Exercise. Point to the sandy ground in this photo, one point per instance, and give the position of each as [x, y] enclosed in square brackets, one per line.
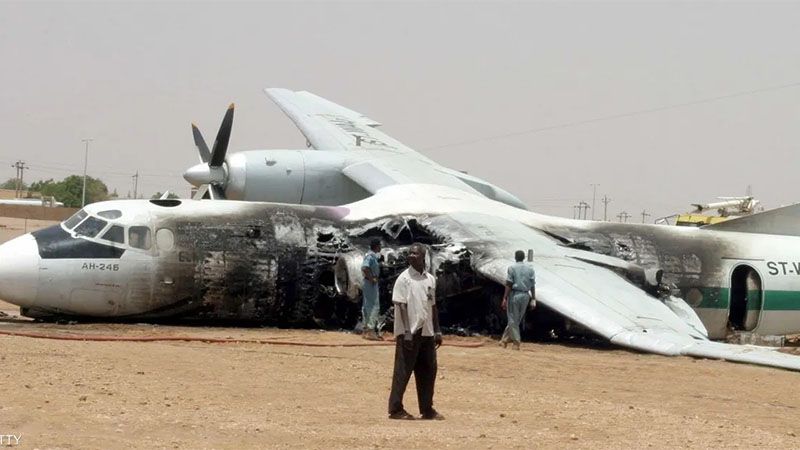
[76, 394]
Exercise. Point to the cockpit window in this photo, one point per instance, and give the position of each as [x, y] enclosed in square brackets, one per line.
[139, 237]
[110, 214]
[115, 234]
[90, 227]
[75, 219]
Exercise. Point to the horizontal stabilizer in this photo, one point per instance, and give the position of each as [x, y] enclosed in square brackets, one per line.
[782, 221]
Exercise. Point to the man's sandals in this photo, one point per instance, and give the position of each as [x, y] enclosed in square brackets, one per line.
[401, 415]
[404, 415]
[432, 415]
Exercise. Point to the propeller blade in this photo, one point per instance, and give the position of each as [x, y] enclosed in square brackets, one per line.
[216, 191]
[223, 137]
[200, 143]
[202, 192]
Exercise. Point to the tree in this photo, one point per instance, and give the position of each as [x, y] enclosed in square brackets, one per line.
[12, 184]
[70, 189]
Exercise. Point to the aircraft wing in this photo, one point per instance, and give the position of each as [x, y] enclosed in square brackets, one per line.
[591, 295]
[328, 126]
[331, 127]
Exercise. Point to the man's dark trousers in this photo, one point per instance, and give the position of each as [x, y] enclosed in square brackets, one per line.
[418, 357]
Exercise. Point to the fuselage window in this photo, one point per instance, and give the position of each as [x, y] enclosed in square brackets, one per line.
[139, 237]
[90, 227]
[110, 214]
[165, 239]
[75, 219]
[115, 234]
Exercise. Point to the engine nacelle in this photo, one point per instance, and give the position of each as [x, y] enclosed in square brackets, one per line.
[311, 177]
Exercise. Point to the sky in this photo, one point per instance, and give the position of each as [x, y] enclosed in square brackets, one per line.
[661, 104]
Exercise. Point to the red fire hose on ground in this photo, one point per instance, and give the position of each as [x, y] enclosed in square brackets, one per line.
[211, 340]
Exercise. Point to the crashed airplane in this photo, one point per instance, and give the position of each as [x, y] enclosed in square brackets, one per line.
[281, 237]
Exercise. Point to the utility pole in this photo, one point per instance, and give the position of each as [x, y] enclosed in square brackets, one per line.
[85, 163]
[580, 209]
[585, 207]
[623, 216]
[644, 215]
[20, 166]
[135, 183]
[606, 201]
[16, 177]
[575, 213]
[594, 196]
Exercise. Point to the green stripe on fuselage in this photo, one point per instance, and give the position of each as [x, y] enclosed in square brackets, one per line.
[782, 300]
[717, 298]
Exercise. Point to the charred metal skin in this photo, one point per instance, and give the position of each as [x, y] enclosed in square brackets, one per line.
[265, 264]
[269, 266]
[732, 280]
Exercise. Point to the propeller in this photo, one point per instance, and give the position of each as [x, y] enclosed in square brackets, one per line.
[211, 175]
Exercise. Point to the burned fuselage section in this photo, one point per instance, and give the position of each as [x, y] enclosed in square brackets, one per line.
[296, 265]
[255, 263]
[288, 269]
[696, 266]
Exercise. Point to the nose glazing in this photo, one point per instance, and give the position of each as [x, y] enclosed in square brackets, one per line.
[19, 271]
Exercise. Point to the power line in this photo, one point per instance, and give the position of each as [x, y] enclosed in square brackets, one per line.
[66, 168]
[52, 169]
[618, 116]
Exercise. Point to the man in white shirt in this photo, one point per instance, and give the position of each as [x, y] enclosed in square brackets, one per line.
[417, 336]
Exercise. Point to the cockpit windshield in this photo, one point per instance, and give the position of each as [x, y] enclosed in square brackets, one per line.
[90, 227]
[115, 234]
[75, 219]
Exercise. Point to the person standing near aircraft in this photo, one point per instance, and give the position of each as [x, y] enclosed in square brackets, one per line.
[417, 335]
[520, 291]
[370, 290]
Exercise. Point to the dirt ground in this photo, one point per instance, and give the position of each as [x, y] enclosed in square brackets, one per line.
[80, 394]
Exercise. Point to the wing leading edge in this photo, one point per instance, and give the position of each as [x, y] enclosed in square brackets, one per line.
[328, 126]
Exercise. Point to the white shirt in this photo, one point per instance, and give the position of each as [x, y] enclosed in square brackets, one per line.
[418, 292]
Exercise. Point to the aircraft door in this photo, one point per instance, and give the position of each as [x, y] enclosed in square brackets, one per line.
[746, 298]
[174, 277]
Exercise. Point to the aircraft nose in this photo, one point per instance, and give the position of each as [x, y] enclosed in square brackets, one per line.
[19, 271]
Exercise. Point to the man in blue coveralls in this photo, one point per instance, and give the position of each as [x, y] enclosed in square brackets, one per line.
[371, 306]
[520, 291]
